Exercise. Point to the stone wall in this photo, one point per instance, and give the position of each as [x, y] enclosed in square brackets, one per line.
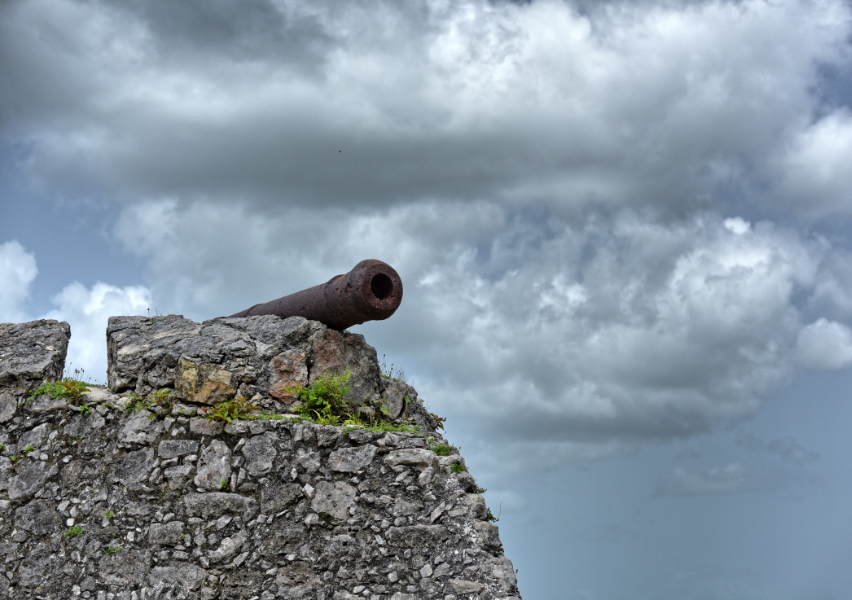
[113, 504]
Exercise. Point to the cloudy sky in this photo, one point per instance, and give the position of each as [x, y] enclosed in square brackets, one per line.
[624, 229]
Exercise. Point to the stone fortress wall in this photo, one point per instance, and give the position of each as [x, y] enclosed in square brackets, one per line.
[107, 503]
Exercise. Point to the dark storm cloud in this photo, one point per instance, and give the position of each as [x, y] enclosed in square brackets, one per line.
[377, 103]
[246, 31]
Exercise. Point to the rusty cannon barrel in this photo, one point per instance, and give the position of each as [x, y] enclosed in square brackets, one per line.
[372, 291]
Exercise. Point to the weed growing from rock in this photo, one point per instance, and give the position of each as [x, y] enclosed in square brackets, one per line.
[388, 373]
[73, 532]
[79, 375]
[231, 410]
[69, 390]
[134, 403]
[323, 401]
[490, 516]
[324, 405]
[457, 468]
[439, 421]
[163, 400]
[442, 450]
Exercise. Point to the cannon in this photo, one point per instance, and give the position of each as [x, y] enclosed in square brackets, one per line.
[371, 291]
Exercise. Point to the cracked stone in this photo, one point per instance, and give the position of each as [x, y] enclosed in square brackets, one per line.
[214, 466]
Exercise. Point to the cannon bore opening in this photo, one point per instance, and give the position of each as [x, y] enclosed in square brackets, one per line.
[381, 286]
[371, 291]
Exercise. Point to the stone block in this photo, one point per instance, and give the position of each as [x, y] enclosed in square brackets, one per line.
[216, 504]
[30, 354]
[203, 384]
[30, 479]
[132, 468]
[260, 453]
[334, 499]
[173, 448]
[214, 467]
[352, 460]
[411, 457]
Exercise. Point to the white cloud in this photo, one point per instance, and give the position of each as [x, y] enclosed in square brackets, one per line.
[737, 225]
[815, 174]
[18, 270]
[87, 311]
[824, 345]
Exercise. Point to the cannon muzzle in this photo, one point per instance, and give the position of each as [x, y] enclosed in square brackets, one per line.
[372, 291]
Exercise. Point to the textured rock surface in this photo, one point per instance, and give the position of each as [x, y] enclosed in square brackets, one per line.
[215, 360]
[30, 354]
[305, 511]
[121, 505]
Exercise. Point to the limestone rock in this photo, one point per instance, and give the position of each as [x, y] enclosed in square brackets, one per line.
[476, 506]
[412, 457]
[287, 370]
[397, 395]
[177, 475]
[489, 535]
[334, 499]
[5, 470]
[416, 535]
[460, 586]
[38, 517]
[214, 466]
[203, 384]
[260, 453]
[79, 472]
[503, 572]
[141, 429]
[173, 448]
[212, 358]
[227, 549]
[279, 496]
[30, 354]
[133, 468]
[352, 460]
[124, 568]
[166, 533]
[35, 436]
[30, 479]
[335, 351]
[184, 575]
[212, 361]
[218, 503]
[205, 427]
